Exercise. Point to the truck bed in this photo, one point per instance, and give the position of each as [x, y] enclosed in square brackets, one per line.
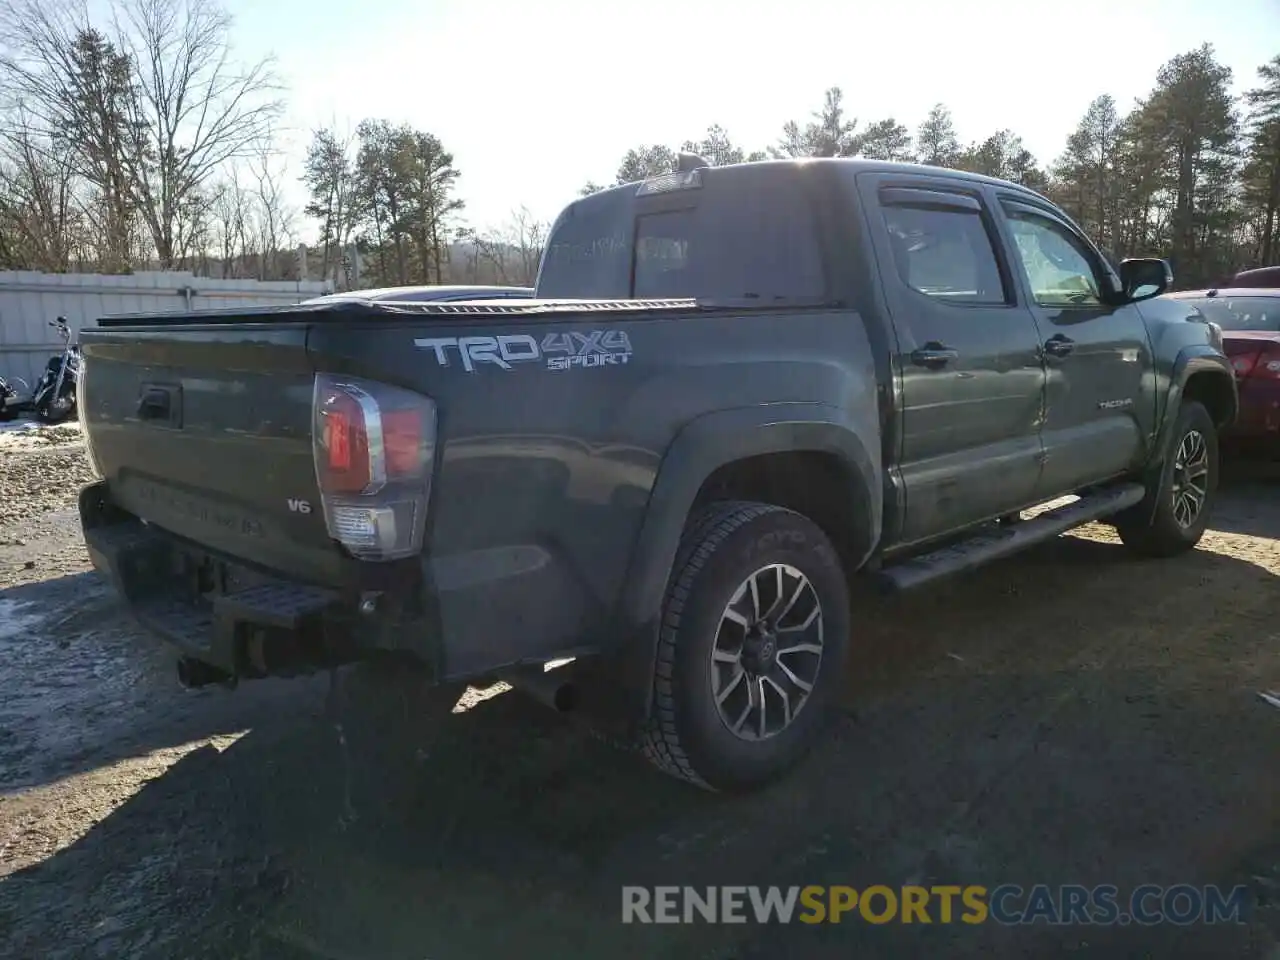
[201, 422]
[202, 426]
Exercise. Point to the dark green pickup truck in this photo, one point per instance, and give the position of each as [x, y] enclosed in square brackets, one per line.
[737, 387]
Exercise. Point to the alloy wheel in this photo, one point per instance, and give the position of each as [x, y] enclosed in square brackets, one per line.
[1190, 488]
[767, 652]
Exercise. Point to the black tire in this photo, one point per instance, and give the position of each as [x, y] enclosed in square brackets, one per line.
[1160, 532]
[685, 735]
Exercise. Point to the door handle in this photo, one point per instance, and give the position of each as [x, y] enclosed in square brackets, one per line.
[933, 355]
[1059, 345]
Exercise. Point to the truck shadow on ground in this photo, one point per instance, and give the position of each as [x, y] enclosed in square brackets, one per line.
[1251, 489]
[1072, 716]
[84, 687]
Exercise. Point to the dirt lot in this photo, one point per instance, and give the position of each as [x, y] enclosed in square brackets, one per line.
[1071, 716]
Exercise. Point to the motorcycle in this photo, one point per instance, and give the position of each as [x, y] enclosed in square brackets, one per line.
[11, 404]
[54, 399]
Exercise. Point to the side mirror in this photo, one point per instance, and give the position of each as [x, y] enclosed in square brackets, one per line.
[1144, 278]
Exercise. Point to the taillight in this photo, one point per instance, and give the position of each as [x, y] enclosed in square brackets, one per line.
[1268, 365]
[1262, 365]
[374, 448]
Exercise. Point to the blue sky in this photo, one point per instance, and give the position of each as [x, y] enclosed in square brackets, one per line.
[536, 98]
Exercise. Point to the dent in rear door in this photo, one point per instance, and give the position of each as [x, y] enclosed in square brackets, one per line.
[972, 379]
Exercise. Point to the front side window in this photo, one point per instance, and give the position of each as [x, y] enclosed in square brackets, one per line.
[946, 254]
[1059, 271]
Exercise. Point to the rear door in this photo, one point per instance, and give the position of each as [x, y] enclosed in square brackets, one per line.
[1100, 402]
[971, 376]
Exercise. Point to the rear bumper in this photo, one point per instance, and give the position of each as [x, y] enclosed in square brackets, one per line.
[240, 621]
[1257, 423]
[461, 617]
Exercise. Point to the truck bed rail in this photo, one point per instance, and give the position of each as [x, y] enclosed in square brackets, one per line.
[389, 309]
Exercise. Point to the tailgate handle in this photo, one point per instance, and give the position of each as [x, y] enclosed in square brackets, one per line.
[156, 403]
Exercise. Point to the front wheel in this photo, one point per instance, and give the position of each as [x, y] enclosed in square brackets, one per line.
[1184, 493]
[752, 647]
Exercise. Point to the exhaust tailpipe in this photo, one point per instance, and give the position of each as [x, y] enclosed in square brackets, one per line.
[193, 673]
[552, 688]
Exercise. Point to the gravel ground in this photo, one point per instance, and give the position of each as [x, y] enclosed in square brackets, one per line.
[1071, 716]
[31, 485]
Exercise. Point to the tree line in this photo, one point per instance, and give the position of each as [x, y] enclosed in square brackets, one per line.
[138, 141]
[135, 141]
[132, 138]
[1189, 173]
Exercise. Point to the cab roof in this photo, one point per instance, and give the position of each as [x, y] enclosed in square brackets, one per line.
[855, 164]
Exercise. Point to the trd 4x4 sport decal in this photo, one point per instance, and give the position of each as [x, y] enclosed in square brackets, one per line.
[556, 351]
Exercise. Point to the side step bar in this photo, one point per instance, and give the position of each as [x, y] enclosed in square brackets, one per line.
[985, 547]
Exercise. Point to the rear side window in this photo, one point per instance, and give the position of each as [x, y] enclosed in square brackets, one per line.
[759, 246]
[945, 254]
[589, 253]
[743, 236]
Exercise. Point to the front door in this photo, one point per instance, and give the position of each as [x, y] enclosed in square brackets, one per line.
[972, 382]
[1100, 400]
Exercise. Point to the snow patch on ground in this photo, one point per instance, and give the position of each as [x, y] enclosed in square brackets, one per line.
[24, 435]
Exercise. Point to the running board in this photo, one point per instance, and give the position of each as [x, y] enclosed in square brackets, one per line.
[985, 547]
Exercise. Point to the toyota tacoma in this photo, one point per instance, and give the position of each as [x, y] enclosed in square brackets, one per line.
[737, 388]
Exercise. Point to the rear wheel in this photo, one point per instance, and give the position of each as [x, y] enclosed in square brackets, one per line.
[1184, 493]
[752, 647]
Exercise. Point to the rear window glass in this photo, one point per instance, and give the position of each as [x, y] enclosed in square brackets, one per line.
[755, 246]
[738, 240]
[1240, 313]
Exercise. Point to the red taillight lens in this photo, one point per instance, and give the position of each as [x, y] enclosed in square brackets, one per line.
[1257, 364]
[404, 436]
[337, 431]
[345, 465]
[1267, 366]
[374, 448]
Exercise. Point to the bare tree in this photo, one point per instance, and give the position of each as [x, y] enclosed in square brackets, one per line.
[153, 113]
[197, 110]
[231, 225]
[510, 252]
[274, 219]
[38, 215]
[527, 236]
[68, 88]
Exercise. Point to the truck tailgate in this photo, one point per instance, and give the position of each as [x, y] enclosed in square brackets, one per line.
[205, 431]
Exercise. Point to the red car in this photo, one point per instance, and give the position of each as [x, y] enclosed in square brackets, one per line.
[1250, 322]
[1268, 277]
